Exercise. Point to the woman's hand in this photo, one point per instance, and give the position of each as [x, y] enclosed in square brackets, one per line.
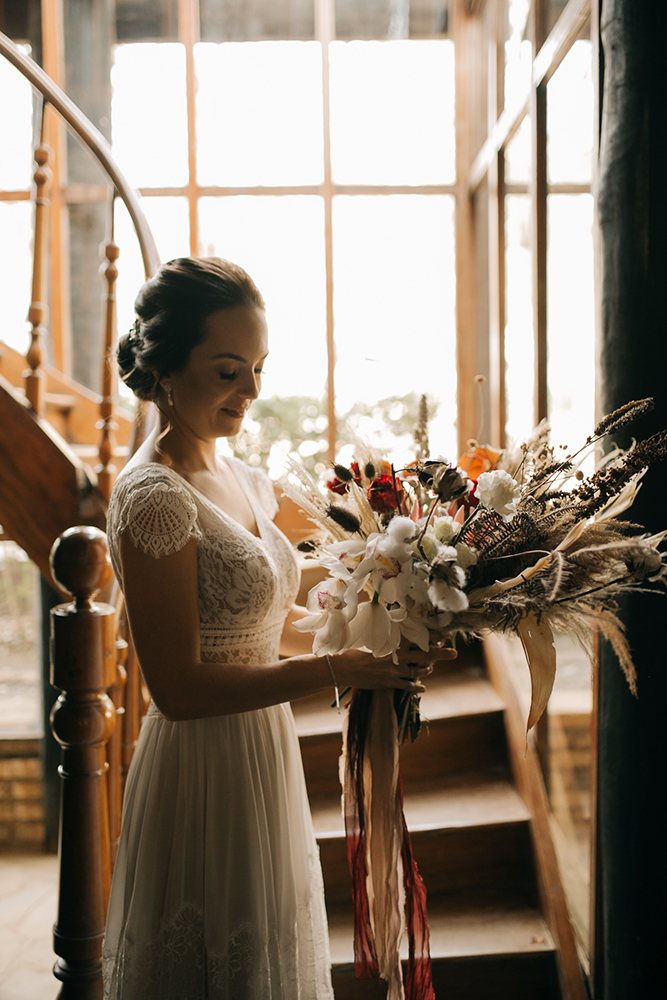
[355, 668]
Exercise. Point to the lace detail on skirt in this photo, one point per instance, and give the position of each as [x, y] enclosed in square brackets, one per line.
[178, 965]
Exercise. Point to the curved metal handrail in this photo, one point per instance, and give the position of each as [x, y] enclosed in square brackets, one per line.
[92, 138]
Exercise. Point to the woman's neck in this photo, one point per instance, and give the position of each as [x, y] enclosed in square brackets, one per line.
[182, 449]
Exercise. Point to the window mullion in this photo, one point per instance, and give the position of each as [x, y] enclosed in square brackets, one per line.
[188, 34]
[325, 30]
[538, 124]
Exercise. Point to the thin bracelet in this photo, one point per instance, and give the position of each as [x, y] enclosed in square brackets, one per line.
[333, 678]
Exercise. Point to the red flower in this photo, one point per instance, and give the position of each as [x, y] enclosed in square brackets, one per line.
[382, 496]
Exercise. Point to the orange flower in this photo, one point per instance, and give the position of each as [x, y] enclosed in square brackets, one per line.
[481, 458]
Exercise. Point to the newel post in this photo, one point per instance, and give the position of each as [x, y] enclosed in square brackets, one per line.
[83, 667]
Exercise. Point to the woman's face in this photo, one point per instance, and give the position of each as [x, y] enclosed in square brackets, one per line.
[223, 374]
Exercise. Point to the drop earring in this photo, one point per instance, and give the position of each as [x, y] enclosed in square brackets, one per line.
[170, 393]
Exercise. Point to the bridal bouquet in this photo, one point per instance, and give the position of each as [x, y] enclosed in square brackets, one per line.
[522, 542]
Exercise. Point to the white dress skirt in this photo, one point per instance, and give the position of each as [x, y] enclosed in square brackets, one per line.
[217, 891]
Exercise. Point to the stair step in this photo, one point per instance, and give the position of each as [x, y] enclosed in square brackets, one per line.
[482, 945]
[469, 832]
[463, 731]
[461, 926]
[464, 800]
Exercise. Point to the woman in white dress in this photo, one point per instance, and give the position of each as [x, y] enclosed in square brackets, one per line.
[217, 891]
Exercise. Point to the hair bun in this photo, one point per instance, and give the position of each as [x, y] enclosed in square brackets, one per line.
[138, 379]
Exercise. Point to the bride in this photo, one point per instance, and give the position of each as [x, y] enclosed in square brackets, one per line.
[217, 891]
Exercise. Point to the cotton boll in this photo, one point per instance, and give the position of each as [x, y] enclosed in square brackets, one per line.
[447, 597]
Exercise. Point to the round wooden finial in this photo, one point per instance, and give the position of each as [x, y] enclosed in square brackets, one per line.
[80, 563]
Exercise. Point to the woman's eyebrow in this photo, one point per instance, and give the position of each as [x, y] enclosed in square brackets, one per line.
[235, 357]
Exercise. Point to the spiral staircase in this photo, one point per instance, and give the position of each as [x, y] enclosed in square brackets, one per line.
[474, 797]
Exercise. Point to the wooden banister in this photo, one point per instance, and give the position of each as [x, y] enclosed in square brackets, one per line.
[92, 138]
[106, 470]
[83, 667]
[38, 313]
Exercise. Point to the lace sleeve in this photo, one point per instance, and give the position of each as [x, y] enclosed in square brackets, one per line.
[160, 516]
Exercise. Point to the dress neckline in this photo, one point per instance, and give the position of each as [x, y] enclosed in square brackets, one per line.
[211, 503]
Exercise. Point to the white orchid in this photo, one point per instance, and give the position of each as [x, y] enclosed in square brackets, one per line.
[499, 492]
[343, 558]
[376, 628]
[332, 604]
[388, 561]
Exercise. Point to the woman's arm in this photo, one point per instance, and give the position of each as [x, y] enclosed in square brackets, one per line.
[293, 643]
[161, 596]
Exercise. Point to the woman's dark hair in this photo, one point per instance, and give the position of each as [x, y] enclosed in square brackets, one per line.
[171, 308]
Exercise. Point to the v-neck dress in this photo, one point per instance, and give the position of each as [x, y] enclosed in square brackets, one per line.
[217, 891]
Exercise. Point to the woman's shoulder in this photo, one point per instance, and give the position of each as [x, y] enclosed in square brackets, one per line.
[153, 503]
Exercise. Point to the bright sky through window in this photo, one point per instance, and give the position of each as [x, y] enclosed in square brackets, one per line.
[259, 122]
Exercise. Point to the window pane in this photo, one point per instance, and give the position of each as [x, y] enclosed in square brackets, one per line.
[392, 112]
[518, 155]
[391, 19]
[15, 272]
[519, 345]
[253, 20]
[518, 53]
[169, 222]
[259, 113]
[394, 302]
[16, 161]
[168, 219]
[20, 646]
[571, 318]
[149, 114]
[280, 242]
[570, 116]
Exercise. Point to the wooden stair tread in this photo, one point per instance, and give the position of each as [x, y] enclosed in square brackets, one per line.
[461, 925]
[461, 801]
[449, 694]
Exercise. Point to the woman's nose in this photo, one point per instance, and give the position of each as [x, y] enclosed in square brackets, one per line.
[251, 386]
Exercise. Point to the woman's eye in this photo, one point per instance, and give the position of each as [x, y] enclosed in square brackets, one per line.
[259, 371]
[227, 375]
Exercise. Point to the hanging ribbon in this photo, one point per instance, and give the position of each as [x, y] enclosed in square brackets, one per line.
[379, 852]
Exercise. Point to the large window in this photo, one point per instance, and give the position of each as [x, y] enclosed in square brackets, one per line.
[326, 167]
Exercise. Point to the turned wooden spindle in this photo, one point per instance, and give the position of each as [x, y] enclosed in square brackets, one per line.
[114, 751]
[83, 668]
[106, 470]
[38, 312]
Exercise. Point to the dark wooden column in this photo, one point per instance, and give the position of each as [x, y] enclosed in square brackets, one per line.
[632, 213]
[83, 668]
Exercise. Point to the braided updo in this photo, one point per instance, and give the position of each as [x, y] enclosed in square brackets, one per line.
[171, 308]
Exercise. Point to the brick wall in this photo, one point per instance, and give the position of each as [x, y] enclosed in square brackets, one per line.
[21, 794]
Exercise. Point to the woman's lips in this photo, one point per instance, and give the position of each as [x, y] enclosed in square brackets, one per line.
[234, 413]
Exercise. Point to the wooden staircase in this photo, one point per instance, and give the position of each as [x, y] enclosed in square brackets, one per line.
[472, 835]
[61, 444]
[48, 480]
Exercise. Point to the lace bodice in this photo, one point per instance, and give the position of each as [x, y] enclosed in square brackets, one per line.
[246, 583]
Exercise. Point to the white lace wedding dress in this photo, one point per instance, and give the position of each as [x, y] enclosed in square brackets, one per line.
[217, 891]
